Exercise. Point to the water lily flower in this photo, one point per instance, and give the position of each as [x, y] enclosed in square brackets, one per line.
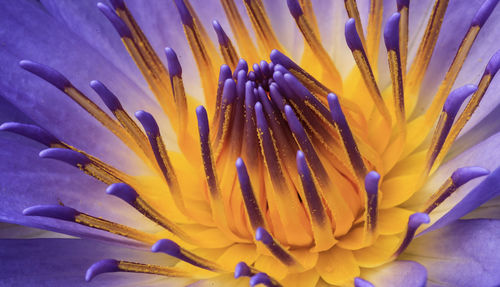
[280, 143]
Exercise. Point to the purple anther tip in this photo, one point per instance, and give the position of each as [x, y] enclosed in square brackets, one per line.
[174, 67]
[493, 64]
[456, 98]
[123, 191]
[47, 73]
[279, 58]
[402, 3]
[264, 67]
[358, 282]
[229, 91]
[351, 35]
[221, 35]
[117, 4]
[241, 270]
[166, 246]
[484, 12]
[417, 219]
[148, 123]
[242, 65]
[71, 157]
[262, 235]
[294, 7]
[281, 69]
[186, 17]
[335, 109]
[115, 20]
[203, 126]
[109, 99]
[30, 131]
[52, 211]
[464, 174]
[103, 266]
[391, 32]
[293, 121]
[260, 278]
[301, 160]
[224, 73]
[240, 165]
[252, 76]
[371, 182]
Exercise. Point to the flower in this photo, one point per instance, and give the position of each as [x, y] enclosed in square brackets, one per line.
[312, 168]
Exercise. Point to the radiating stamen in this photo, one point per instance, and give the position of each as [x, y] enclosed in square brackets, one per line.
[255, 214]
[224, 74]
[226, 46]
[392, 43]
[315, 44]
[251, 140]
[371, 205]
[70, 214]
[353, 13]
[155, 140]
[450, 110]
[173, 249]
[263, 279]
[274, 247]
[349, 144]
[374, 28]
[490, 71]
[414, 223]
[112, 265]
[266, 38]
[426, 48]
[33, 132]
[477, 23]
[89, 165]
[62, 83]
[358, 282]
[198, 47]
[226, 111]
[358, 52]
[122, 116]
[243, 39]
[175, 71]
[321, 224]
[404, 11]
[459, 177]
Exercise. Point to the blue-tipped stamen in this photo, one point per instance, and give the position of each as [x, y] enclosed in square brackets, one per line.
[254, 212]
[33, 132]
[274, 247]
[103, 266]
[242, 270]
[484, 12]
[115, 20]
[52, 211]
[358, 282]
[47, 73]
[173, 249]
[414, 223]
[371, 206]
[109, 99]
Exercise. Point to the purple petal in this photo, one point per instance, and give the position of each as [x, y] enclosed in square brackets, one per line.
[397, 273]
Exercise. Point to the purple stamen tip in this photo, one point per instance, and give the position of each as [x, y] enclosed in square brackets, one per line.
[117, 4]
[242, 65]
[493, 64]
[47, 73]
[279, 58]
[484, 12]
[109, 99]
[456, 98]
[262, 235]
[417, 219]
[202, 116]
[294, 7]
[335, 109]
[123, 191]
[264, 66]
[115, 20]
[292, 119]
[30, 131]
[281, 69]
[167, 246]
[241, 168]
[52, 211]
[229, 92]
[391, 32]
[464, 174]
[71, 157]
[402, 3]
[174, 67]
[252, 76]
[371, 182]
[148, 123]
[351, 36]
[103, 266]
[260, 278]
[186, 17]
[224, 73]
[221, 35]
[242, 269]
[358, 282]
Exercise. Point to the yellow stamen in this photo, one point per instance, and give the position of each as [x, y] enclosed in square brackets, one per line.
[265, 34]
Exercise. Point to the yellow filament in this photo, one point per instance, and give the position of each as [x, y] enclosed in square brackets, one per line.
[229, 54]
[243, 39]
[424, 52]
[397, 90]
[127, 266]
[371, 84]
[374, 30]
[265, 34]
[320, 53]
[352, 11]
[451, 75]
[403, 38]
[115, 228]
[181, 104]
[226, 123]
[213, 266]
[465, 116]
[433, 148]
[432, 203]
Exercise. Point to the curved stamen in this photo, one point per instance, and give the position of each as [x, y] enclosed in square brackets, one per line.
[175, 73]
[255, 214]
[33, 132]
[459, 177]
[226, 112]
[115, 20]
[224, 74]
[112, 265]
[72, 215]
[266, 38]
[404, 11]
[414, 223]
[264, 279]
[226, 46]
[173, 249]
[353, 13]
[274, 247]
[371, 206]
